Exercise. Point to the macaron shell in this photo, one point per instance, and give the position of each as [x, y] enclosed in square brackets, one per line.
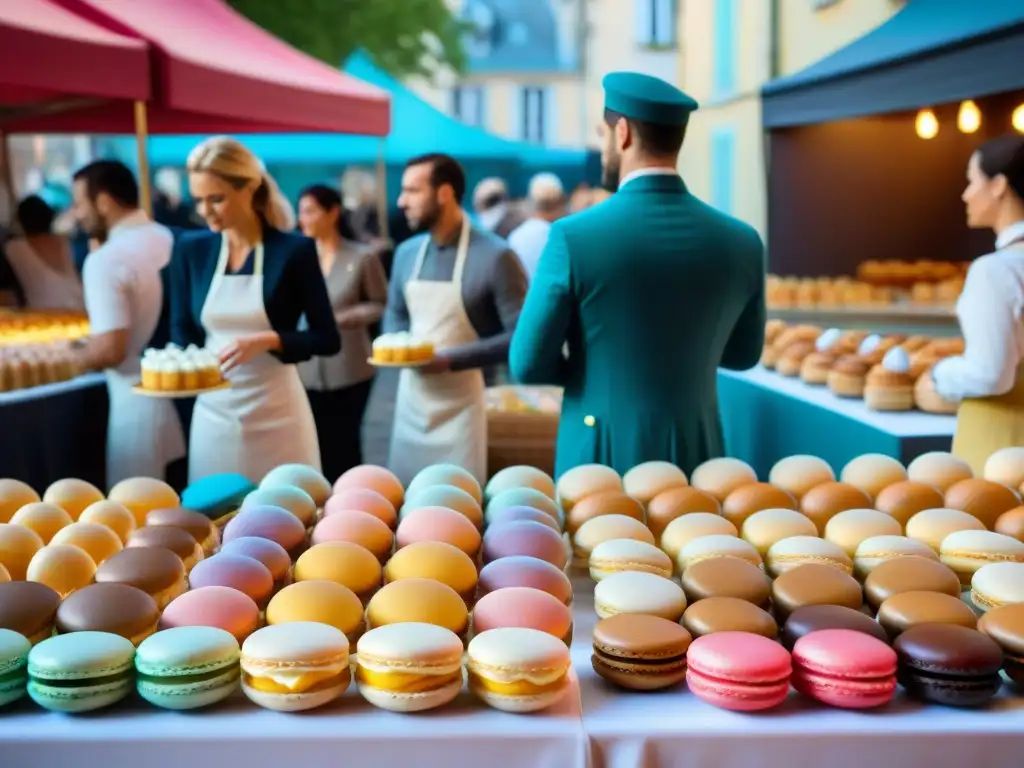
[356, 527]
[300, 476]
[726, 577]
[997, 584]
[28, 608]
[14, 650]
[142, 494]
[114, 516]
[525, 538]
[112, 608]
[728, 614]
[176, 540]
[245, 574]
[156, 571]
[446, 474]
[373, 478]
[754, 497]
[14, 495]
[324, 602]
[635, 592]
[342, 562]
[852, 526]
[813, 618]
[722, 476]
[97, 541]
[938, 469]
[221, 607]
[1005, 625]
[364, 500]
[438, 561]
[825, 501]
[645, 481]
[607, 527]
[63, 671]
[523, 571]
[72, 495]
[268, 522]
[948, 665]
[642, 653]
[520, 476]
[268, 552]
[685, 529]
[793, 552]
[521, 497]
[799, 474]
[908, 609]
[42, 518]
[905, 499]
[738, 671]
[516, 653]
[287, 497]
[844, 654]
[931, 526]
[603, 503]
[876, 550]
[439, 524]
[674, 503]
[512, 514]
[872, 472]
[188, 667]
[62, 567]
[764, 528]
[814, 584]
[523, 607]
[983, 499]
[716, 545]
[418, 600]
[968, 551]
[584, 480]
[909, 574]
[617, 555]
[445, 496]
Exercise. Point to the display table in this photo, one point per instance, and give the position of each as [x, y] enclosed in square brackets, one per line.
[674, 729]
[766, 417]
[348, 733]
[55, 431]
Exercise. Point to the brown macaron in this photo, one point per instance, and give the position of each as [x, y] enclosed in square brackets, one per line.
[728, 614]
[905, 499]
[1005, 625]
[639, 652]
[812, 618]
[814, 584]
[668, 505]
[604, 503]
[28, 608]
[825, 501]
[726, 577]
[115, 608]
[909, 609]
[156, 571]
[180, 542]
[748, 499]
[909, 574]
[199, 526]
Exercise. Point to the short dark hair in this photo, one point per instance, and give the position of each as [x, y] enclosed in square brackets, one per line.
[325, 197]
[444, 169]
[113, 178]
[35, 216]
[653, 138]
[1004, 156]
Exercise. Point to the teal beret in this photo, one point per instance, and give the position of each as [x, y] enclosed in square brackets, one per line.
[646, 98]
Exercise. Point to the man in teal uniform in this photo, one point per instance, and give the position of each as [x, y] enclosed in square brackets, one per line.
[637, 301]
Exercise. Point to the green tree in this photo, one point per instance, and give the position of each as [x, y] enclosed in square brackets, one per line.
[405, 37]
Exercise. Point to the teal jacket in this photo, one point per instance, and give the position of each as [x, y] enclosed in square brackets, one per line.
[651, 291]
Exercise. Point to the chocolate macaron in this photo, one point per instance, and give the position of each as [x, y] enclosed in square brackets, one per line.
[813, 618]
[639, 652]
[28, 608]
[910, 609]
[726, 577]
[909, 574]
[180, 542]
[115, 608]
[814, 584]
[950, 665]
[156, 571]
[197, 524]
[728, 614]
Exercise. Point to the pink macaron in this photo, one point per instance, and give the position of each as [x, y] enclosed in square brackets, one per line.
[221, 607]
[523, 607]
[523, 571]
[364, 500]
[525, 537]
[268, 552]
[844, 668]
[439, 524]
[360, 528]
[245, 574]
[740, 671]
[512, 514]
[268, 522]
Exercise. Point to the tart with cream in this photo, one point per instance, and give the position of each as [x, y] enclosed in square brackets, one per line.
[889, 386]
[174, 369]
[402, 347]
[815, 367]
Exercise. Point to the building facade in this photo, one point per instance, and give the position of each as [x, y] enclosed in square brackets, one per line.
[535, 66]
[726, 59]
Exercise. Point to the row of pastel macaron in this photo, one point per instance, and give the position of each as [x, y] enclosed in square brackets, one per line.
[287, 667]
[827, 655]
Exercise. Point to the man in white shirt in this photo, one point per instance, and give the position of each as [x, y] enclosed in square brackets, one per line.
[493, 207]
[547, 201]
[124, 298]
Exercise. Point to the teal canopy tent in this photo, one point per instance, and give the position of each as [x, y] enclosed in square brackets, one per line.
[417, 128]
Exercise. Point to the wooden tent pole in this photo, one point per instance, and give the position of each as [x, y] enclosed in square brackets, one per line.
[141, 138]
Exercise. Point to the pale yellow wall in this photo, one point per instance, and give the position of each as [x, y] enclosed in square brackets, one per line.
[807, 35]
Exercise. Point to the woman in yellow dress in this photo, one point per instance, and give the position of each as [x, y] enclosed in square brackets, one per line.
[986, 379]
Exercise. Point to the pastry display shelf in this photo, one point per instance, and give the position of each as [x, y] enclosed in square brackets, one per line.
[893, 318]
[56, 389]
[766, 417]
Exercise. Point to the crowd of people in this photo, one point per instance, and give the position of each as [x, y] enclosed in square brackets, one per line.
[628, 301]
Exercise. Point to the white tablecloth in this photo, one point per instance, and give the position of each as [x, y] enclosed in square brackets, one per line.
[674, 729]
[899, 424]
[349, 733]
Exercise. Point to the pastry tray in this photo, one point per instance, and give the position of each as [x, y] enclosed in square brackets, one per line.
[397, 364]
[178, 394]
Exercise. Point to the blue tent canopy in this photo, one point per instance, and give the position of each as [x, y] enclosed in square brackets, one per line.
[417, 128]
[930, 52]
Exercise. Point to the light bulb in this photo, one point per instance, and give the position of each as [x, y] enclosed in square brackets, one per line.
[1018, 118]
[968, 119]
[926, 124]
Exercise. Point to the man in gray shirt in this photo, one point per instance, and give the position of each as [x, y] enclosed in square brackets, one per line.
[462, 289]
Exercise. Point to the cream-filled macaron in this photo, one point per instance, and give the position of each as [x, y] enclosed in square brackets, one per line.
[606, 528]
[984, 499]
[722, 476]
[446, 474]
[997, 584]
[520, 476]
[795, 551]
[939, 469]
[879, 549]
[645, 481]
[618, 555]
[872, 472]
[716, 545]
[966, 552]
[585, 480]
[764, 528]
[798, 474]
[636, 592]
[685, 529]
[931, 526]
[849, 528]
[515, 669]
[1006, 466]
[410, 667]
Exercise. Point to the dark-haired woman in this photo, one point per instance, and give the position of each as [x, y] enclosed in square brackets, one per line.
[42, 261]
[339, 386]
[986, 379]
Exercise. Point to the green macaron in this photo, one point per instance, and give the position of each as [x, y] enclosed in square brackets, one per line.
[14, 650]
[81, 671]
[187, 667]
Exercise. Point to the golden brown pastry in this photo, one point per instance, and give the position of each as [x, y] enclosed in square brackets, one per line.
[772, 330]
[815, 367]
[792, 358]
[796, 333]
[770, 356]
[927, 399]
[851, 340]
[923, 293]
[888, 386]
[914, 343]
[921, 362]
[847, 376]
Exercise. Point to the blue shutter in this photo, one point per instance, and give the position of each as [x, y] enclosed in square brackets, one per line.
[724, 69]
[550, 125]
[515, 114]
[644, 21]
[665, 22]
[483, 115]
[723, 167]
